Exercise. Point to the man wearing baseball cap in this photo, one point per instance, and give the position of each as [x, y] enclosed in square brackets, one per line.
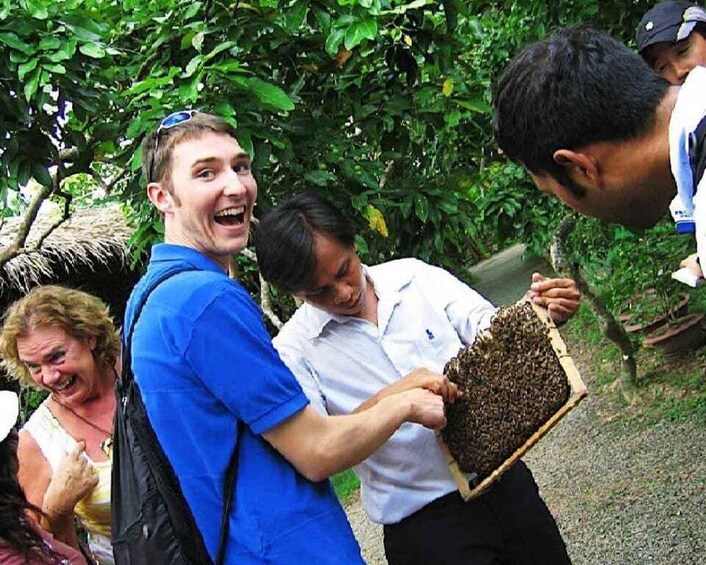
[671, 37]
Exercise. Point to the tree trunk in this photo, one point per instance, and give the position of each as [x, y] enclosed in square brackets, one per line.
[609, 326]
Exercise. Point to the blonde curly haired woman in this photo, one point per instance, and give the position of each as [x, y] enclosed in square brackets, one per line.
[63, 341]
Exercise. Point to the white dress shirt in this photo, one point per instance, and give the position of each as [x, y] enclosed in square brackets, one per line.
[425, 315]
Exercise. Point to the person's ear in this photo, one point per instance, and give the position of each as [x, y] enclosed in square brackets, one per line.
[581, 167]
[160, 197]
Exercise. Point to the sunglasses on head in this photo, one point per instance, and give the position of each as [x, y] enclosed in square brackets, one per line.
[172, 120]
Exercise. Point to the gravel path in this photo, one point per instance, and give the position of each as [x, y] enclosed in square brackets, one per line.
[623, 493]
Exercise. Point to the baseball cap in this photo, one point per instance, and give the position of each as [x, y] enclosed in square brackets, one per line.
[9, 410]
[668, 22]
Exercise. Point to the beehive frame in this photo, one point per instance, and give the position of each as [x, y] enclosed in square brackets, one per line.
[578, 392]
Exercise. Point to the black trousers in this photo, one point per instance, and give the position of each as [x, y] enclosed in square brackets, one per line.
[509, 524]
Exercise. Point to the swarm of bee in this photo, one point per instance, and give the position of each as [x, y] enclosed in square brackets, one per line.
[512, 382]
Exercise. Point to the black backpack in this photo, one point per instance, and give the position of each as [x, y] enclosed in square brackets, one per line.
[150, 519]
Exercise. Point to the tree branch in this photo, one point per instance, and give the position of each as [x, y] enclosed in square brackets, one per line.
[265, 301]
[609, 326]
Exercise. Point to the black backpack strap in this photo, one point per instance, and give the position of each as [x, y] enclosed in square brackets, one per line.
[697, 152]
[231, 477]
[232, 471]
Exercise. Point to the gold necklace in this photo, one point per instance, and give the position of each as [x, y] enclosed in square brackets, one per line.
[107, 444]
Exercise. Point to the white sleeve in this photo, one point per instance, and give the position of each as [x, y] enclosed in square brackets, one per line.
[700, 221]
[468, 311]
[293, 355]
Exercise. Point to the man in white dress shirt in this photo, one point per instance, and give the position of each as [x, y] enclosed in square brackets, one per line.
[360, 331]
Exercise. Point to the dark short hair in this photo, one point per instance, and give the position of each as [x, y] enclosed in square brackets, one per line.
[578, 87]
[157, 158]
[284, 240]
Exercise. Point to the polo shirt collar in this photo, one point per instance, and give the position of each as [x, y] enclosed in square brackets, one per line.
[387, 290]
[168, 252]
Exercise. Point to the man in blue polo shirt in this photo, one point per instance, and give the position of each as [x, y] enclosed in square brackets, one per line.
[204, 362]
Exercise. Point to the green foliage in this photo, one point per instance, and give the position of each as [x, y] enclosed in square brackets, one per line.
[621, 263]
[346, 484]
[383, 106]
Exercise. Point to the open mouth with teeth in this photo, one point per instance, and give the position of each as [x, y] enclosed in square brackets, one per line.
[66, 385]
[230, 216]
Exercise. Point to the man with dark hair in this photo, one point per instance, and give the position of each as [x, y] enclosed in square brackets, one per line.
[206, 367]
[350, 345]
[594, 126]
[671, 37]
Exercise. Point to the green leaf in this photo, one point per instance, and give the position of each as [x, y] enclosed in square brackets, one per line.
[192, 10]
[245, 141]
[49, 43]
[24, 173]
[421, 207]
[224, 108]
[192, 66]
[476, 105]
[27, 67]
[294, 17]
[319, 178]
[32, 84]
[334, 40]
[36, 9]
[58, 56]
[270, 95]
[411, 6]
[11, 40]
[92, 50]
[187, 39]
[197, 41]
[219, 49]
[359, 32]
[228, 67]
[18, 56]
[55, 68]
[41, 174]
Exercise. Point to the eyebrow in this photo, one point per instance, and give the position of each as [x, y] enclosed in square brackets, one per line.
[47, 356]
[210, 160]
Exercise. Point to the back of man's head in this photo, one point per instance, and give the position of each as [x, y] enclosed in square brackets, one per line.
[575, 88]
[284, 240]
[185, 125]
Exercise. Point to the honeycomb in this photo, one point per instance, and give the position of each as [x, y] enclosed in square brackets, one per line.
[512, 383]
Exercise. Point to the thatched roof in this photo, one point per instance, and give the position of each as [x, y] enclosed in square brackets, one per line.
[87, 251]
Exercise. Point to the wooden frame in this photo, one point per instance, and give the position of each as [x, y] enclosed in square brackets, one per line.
[578, 392]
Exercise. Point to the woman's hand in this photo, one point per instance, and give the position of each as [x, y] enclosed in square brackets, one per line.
[73, 480]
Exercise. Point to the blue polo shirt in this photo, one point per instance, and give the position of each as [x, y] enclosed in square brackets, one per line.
[202, 358]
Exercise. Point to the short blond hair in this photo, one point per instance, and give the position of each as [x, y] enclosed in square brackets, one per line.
[79, 314]
[157, 157]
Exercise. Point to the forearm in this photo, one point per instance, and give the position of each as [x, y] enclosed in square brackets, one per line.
[348, 440]
[320, 446]
[59, 523]
[384, 393]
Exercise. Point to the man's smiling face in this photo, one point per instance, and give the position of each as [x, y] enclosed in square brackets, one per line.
[212, 194]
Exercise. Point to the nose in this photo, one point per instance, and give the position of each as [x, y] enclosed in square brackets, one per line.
[342, 294]
[234, 184]
[680, 73]
[680, 70]
[50, 375]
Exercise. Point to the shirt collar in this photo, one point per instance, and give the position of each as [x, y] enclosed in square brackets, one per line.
[387, 288]
[168, 252]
